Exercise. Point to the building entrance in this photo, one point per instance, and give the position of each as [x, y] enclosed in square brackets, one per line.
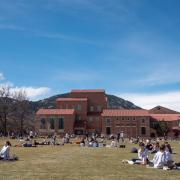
[108, 130]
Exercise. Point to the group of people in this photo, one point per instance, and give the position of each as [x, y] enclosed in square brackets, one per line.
[50, 140]
[95, 141]
[162, 151]
[162, 158]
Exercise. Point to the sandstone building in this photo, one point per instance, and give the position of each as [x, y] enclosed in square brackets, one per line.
[86, 111]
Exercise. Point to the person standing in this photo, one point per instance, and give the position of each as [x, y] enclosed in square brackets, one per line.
[118, 137]
[122, 136]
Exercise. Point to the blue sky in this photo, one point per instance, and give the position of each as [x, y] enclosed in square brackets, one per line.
[131, 48]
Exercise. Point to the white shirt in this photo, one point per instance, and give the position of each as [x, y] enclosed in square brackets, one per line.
[113, 144]
[168, 156]
[143, 155]
[31, 133]
[159, 159]
[121, 134]
[4, 153]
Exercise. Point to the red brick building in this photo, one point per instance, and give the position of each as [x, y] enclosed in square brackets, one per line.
[85, 111]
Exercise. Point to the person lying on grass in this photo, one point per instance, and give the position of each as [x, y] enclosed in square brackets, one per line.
[113, 143]
[142, 156]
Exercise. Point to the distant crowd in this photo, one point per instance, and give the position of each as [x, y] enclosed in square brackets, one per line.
[161, 149]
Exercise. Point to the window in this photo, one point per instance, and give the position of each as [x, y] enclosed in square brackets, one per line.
[143, 120]
[78, 117]
[92, 108]
[43, 124]
[108, 122]
[90, 119]
[61, 123]
[99, 108]
[66, 106]
[118, 121]
[143, 130]
[78, 107]
[51, 121]
[134, 119]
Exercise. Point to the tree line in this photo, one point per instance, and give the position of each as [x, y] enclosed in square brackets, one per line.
[15, 115]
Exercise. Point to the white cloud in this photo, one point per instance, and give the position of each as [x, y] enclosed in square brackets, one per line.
[150, 100]
[33, 93]
[2, 76]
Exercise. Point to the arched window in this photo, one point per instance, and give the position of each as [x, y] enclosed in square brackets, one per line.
[61, 123]
[99, 108]
[43, 124]
[91, 108]
[143, 130]
[51, 122]
[79, 107]
[108, 122]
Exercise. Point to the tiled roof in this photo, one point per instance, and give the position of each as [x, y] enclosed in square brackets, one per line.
[125, 112]
[176, 128]
[165, 117]
[137, 112]
[162, 110]
[87, 90]
[71, 99]
[55, 111]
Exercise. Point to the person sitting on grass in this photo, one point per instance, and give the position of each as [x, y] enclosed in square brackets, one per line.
[155, 148]
[143, 153]
[159, 159]
[113, 143]
[91, 141]
[5, 151]
[142, 156]
[168, 157]
[95, 143]
[82, 142]
[148, 145]
[168, 147]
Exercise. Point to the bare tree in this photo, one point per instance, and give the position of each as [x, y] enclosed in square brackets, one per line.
[5, 106]
[22, 114]
[15, 114]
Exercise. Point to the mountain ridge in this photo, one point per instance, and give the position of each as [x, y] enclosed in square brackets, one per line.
[114, 102]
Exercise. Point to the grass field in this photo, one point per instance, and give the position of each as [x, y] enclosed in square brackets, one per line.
[72, 162]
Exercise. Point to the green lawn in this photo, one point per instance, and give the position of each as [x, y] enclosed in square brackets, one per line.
[72, 162]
